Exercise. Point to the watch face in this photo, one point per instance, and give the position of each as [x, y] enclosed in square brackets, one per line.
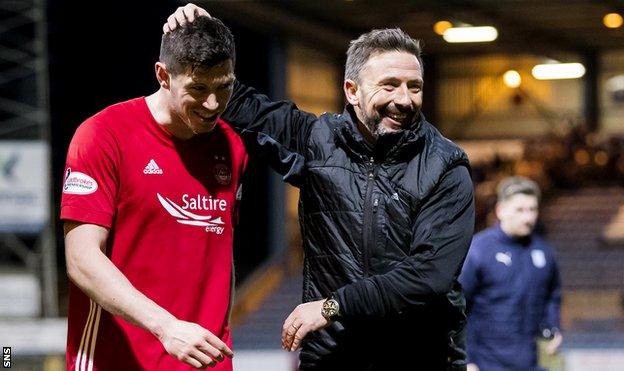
[330, 308]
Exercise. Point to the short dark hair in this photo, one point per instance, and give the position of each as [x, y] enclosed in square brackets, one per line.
[205, 42]
[514, 185]
[378, 41]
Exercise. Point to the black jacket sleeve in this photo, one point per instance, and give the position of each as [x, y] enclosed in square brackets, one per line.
[275, 131]
[440, 239]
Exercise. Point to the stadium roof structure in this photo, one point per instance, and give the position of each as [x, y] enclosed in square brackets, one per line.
[534, 26]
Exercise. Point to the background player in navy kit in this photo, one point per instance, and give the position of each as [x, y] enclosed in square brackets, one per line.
[511, 283]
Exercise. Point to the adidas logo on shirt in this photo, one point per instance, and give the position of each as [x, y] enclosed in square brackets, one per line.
[152, 168]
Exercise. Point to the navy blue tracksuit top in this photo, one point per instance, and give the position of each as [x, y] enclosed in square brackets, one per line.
[512, 291]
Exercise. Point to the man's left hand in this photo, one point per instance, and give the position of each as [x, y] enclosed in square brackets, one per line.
[303, 320]
[552, 347]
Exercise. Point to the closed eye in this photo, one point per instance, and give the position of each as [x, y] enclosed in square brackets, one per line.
[415, 86]
[226, 85]
[198, 88]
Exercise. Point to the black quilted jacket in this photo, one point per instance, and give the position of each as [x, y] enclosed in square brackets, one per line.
[385, 231]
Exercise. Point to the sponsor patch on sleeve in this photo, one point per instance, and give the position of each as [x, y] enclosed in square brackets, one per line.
[78, 183]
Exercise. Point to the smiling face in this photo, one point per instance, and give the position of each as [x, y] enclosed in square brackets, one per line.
[388, 94]
[198, 97]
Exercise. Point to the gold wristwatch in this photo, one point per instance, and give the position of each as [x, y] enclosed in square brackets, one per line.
[331, 309]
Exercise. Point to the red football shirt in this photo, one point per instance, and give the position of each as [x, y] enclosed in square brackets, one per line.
[170, 207]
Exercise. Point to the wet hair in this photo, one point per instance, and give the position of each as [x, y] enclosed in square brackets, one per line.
[203, 43]
[375, 42]
[514, 185]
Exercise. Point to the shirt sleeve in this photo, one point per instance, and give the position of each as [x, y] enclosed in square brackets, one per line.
[469, 280]
[469, 277]
[553, 306]
[440, 240]
[275, 131]
[91, 179]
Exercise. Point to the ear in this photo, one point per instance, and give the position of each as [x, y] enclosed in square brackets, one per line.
[350, 88]
[499, 209]
[162, 75]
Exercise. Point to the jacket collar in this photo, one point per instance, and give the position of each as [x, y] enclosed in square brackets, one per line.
[388, 148]
[509, 240]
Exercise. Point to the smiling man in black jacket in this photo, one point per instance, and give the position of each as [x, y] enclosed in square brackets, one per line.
[386, 211]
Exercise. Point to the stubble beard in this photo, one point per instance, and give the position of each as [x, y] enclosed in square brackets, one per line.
[373, 124]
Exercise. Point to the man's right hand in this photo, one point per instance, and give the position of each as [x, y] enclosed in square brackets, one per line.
[192, 344]
[182, 15]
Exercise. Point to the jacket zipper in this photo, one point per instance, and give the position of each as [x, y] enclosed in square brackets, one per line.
[370, 209]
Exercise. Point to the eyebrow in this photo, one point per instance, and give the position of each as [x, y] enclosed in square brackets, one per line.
[217, 80]
[394, 79]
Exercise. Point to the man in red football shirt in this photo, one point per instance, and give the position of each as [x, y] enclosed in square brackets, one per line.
[149, 203]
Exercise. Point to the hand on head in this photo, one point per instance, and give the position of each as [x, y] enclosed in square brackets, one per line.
[182, 15]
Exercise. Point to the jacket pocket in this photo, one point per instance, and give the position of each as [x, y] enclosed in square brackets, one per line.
[396, 224]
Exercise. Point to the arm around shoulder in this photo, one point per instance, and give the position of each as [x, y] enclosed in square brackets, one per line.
[275, 130]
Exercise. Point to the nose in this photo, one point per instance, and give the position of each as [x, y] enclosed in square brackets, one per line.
[211, 103]
[529, 216]
[402, 97]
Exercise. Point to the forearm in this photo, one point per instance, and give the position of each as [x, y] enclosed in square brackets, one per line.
[275, 131]
[553, 305]
[97, 277]
[100, 279]
[552, 320]
[411, 284]
[441, 238]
